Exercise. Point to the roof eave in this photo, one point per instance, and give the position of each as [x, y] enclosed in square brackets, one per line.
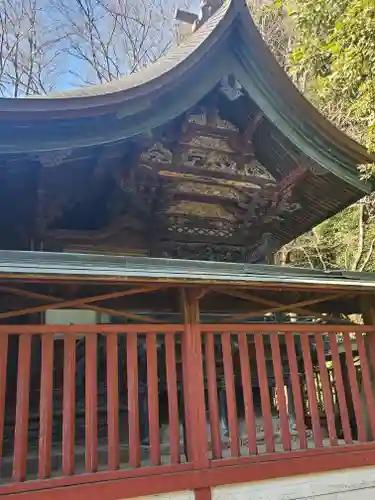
[29, 265]
[284, 106]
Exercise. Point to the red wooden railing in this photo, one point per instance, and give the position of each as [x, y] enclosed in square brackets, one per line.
[77, 404]
[339, 407]
[53, 400]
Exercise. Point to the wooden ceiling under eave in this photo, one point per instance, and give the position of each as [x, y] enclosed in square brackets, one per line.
[178, 161]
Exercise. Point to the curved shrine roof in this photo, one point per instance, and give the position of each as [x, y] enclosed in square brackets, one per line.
[305, 168]
[230, 33]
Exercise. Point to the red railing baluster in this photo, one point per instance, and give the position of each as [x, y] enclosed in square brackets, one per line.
[230, 394]
[188, 449]
[296, 388]
[247, 390]
[311, 390]
[366, 381]
[280, 387]
[22, 408]
[113, 402]
[174, 423]
[3, 378]
[264, 392]
[69, 400]
[46, 408]
[91, 410]
[371, 353]
[213, 405]
[327, 392]
[340, 388]
[354, 388]
[133, 401]
[153, 398]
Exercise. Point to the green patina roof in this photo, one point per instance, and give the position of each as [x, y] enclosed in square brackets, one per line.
[228, 43]
[120, 269]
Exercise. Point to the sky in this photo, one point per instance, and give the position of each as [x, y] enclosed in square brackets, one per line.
[67, 81]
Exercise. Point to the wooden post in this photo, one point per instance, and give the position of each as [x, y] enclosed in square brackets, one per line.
[368, 312]
[195, 414]
[3, 379]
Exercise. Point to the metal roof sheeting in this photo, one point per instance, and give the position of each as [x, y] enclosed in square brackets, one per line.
[118, 268]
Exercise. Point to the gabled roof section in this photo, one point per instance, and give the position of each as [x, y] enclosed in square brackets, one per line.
[228, 43]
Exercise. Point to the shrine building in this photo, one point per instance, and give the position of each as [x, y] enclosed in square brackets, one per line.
[150, 348]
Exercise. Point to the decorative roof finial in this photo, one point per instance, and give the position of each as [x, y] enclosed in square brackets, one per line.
[208, 8]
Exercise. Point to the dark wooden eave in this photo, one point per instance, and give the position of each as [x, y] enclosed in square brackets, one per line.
[227, 43]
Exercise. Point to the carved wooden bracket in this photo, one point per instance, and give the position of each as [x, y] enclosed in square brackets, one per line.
[272, 201]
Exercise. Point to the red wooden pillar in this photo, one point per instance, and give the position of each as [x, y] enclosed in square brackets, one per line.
[195, 414]
[3, 375]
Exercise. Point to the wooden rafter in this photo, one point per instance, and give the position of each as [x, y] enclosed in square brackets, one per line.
[265, 302]
[210, 176]
[56, 303]
[225, 201]
[122, 314]
[278, 308]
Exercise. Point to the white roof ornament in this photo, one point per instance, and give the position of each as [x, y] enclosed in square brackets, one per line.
[207, 9]
[231, 88]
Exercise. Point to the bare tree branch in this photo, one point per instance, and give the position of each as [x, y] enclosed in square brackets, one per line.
[28, 48]
[368, 255]
[111, 38]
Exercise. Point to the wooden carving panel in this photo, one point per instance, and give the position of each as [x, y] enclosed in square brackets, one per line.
[206, 176]
[201, 251]
[216, 170]
[157, 153]
[203, 189]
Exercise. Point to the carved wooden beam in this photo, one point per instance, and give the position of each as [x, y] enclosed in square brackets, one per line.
[206, 240]
[122, 223]
[271, 201]
[196, 221]
[205, 175]
[192, 130]
[224, 201]
[202, 251]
